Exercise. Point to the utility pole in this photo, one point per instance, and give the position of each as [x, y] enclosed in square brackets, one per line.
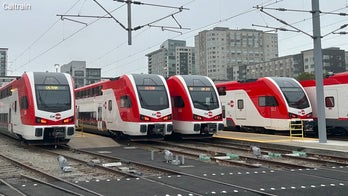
[318, 64]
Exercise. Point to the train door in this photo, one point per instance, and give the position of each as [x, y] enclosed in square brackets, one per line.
[99, 118]
[15, 115]
[331, 104]
[10, 125]
[240, 109]
[228, 106]
[108, 112]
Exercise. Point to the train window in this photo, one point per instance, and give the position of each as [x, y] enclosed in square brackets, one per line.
[100, 110]
[223, 111]
[15, 106]
[178, 102]
[240, 104]
[329, 102]
[267, 101]
[110, 105]
[222, 90]
[6, 92]
[24, 102]
[125, 102]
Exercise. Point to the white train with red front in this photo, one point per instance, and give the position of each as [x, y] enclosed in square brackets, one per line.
[336, 104]
[39, 108]
[136, 106]
[196, 106]
[265, 104]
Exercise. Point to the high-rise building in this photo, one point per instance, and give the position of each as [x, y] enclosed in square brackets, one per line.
[221, 51]
[82, 75]
[293, 65]
[173, 58]
[333, 60]
[3, 61]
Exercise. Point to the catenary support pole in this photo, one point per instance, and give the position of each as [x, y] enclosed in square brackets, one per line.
[318, 64]
[129, 22]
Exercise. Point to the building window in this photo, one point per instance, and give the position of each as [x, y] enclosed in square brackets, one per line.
[79, 73]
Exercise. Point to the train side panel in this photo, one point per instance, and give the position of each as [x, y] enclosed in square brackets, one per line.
[261, 104]
[335, 97]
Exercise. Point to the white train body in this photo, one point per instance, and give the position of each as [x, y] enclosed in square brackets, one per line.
[135, 105]
[39, 108]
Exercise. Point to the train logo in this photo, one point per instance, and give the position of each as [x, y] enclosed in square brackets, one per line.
[232, 103]
[58, 116]
[157, 114]
[210, 114]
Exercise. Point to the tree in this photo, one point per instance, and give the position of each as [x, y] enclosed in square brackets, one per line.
[305, 76]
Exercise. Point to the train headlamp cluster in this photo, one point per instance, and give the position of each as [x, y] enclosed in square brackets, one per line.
[146, 118]
[45, 121]
[197, 117]
[309, 115]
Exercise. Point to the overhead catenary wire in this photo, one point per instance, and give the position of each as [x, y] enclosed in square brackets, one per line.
[188, 32]
[63, 40]
[74, 33]
[129, 57]
[43, 34]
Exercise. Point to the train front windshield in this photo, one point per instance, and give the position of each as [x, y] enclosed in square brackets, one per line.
[53, 98]
[203, 97]
[153, 97]
[294, 94]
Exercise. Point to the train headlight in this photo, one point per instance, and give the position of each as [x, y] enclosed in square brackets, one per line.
[41, 120]
[69, 120]
[218, 117]
[145, 118]
[292, 115]
[168, 117]
[196, 117]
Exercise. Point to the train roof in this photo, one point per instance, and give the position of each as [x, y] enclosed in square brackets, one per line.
[140, 79]
[242, 83]
[41, 78]
[338, 78]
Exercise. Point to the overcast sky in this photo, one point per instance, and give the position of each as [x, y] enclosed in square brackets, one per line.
[37, 38]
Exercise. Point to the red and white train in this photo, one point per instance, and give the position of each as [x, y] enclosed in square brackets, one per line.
[39, 108]
[265, 104]
[136, 106]
[196, 106]
[336, 105]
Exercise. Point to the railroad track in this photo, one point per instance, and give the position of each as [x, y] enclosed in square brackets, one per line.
[316, 158]
[79, 160]
[219, 155]
[271, 158]
[167, 171]
[13, 181]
